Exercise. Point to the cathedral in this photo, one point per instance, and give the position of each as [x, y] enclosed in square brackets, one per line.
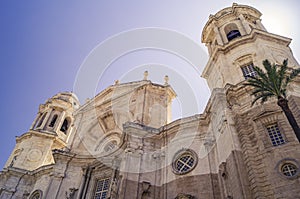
[122, 145]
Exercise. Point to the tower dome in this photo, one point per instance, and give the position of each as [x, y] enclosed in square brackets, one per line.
[50, 130]
[236, 41]
[55, 115]
[230, 23]
[69, 97]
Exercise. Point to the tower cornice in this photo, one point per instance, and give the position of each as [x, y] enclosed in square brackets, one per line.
[251, 38]
[45, 134]
[235, 10]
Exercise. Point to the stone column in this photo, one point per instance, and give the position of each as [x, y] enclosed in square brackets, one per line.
[39, 115]
[245, 24]
[45, 120]
[60, 121]
[131, 173]
[218, 35]
[54, 185]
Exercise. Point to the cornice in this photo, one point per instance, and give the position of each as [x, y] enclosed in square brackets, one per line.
[246, 39]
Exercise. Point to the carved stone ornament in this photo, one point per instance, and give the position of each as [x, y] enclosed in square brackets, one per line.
[71, 193]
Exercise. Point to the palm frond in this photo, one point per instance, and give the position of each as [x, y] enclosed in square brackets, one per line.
[260, 90]
[267, 65]
[263, 96]
[291, 77]
[266, 97]
[273, 77]
[270, 82]
[260, 73]
[282, 73]
[294, 74]
[258, 81]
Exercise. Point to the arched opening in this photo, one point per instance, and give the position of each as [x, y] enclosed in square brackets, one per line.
[65, 125]
[52, 123]
[232, 31]
[233, 34]
[41, 120]
[37, 121]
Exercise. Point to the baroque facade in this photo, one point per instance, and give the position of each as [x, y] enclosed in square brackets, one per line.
[122, 144]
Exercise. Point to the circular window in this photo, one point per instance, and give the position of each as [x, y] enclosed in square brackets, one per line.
[184, 161]
[289, 169]
[110, 146]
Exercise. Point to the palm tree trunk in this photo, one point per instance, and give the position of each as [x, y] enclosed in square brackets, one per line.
[283, 103]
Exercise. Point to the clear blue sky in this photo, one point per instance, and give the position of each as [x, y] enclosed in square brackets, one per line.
[43, 44]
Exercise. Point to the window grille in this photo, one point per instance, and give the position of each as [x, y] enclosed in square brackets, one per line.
[184, 161]
[248, 70]
[275, 135]
[289, 169]
[102, 187]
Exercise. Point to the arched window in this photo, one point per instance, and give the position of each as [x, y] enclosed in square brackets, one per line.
[54, 118]
[232, 31]
[233, 34]
[64, 127]
[37, 121]
[41, 120]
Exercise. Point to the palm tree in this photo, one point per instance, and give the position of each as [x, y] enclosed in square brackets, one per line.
[273, 83]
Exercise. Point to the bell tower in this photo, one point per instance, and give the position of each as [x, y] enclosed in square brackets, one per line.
[236, 40]
[50, 130]
[261, 139]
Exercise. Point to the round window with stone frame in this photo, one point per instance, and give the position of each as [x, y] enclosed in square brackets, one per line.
[288, 168]
[184, 161]
[110, 146]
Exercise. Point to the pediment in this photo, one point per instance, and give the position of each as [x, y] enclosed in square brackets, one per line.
[267, 116]
[111, 93]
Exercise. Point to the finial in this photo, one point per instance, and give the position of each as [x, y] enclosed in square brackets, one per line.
[166, 80]
[117, 82]
[146, 75]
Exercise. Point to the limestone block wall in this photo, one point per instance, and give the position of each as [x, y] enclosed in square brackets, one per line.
[263, 160]
[224, 66]
[32, 151]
